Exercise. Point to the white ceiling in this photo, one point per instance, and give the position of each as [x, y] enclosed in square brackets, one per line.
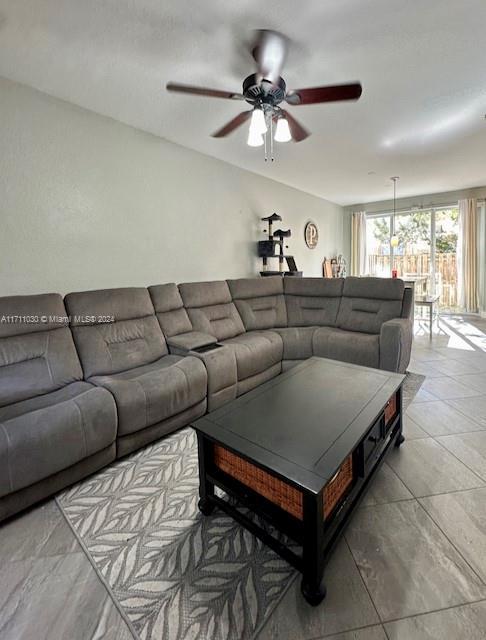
[421, 63]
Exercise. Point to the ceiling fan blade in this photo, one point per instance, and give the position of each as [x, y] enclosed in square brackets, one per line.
[270, 51]
[317, 95]
[230, 126]
[203, 91]
[296, 129]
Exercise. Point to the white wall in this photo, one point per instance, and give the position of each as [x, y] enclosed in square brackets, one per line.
[86, 203]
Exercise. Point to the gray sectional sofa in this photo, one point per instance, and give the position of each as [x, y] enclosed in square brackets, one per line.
[96, 376]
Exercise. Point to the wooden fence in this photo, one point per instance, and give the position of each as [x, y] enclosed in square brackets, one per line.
[419, 264]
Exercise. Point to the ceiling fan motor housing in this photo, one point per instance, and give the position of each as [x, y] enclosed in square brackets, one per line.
[264, 91]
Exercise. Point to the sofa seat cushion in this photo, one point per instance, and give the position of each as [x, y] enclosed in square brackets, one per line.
[154, 392]
[347, 346]
[255, 352]
[46, 434]
[297, 342]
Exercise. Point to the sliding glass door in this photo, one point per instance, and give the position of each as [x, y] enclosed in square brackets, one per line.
[445, 258]
[412, 244]
[421, 246]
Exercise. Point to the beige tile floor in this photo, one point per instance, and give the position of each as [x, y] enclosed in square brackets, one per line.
[411, 566]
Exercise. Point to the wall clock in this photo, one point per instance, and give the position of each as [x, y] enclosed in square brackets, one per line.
[311, 234]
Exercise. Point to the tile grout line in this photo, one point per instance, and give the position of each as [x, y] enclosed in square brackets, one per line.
[110, 593]
[443, 435]
[476, 395]
[429, 495]
[453, 435]
[259, 630]
[467, 467]
[426, 613]
[445, 493]
[362, 579]
[452, 544]
[385, 631]
[448, 402]
[378, 504]
[343, 633]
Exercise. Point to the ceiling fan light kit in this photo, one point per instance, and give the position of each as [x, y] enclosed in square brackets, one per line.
[255, 139]
[265, 90]
[282, 132]
[261, 131]
[257, 123]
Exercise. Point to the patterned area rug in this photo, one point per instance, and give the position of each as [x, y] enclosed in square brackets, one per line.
[174, 574]
[411, 387]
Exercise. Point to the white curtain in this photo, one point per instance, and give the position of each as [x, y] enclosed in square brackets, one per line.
[467, 255]
[358, 244]
[482, 257]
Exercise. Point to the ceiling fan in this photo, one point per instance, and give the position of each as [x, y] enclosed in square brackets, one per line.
[265, 90]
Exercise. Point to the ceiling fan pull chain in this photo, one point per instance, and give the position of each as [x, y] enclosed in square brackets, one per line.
[271, 138]
[265, 142]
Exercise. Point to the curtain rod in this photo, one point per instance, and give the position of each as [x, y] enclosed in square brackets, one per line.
[449, 205]
[446, 205]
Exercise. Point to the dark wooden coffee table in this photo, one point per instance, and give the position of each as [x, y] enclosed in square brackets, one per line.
[300, 451]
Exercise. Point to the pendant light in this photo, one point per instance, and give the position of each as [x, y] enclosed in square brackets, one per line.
[394, 239]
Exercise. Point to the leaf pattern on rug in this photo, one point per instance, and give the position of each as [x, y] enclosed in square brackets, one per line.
[411, 387]
[177, 574]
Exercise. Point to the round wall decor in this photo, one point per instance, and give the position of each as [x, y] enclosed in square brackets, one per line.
[311, 234]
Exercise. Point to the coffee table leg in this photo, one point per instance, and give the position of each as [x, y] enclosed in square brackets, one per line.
[400, 439]
[206, 488]
[312, 586]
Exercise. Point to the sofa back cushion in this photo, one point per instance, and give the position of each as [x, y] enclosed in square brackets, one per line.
[170, 311]
[260, 302]
[312, 301]
[210, 309]
[369, 302]
[37, 353]
[115, 329]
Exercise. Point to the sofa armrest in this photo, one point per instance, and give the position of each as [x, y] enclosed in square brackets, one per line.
[185, 342]
[220, 365]
[407, 305]
[219, 360]
[396, 344]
